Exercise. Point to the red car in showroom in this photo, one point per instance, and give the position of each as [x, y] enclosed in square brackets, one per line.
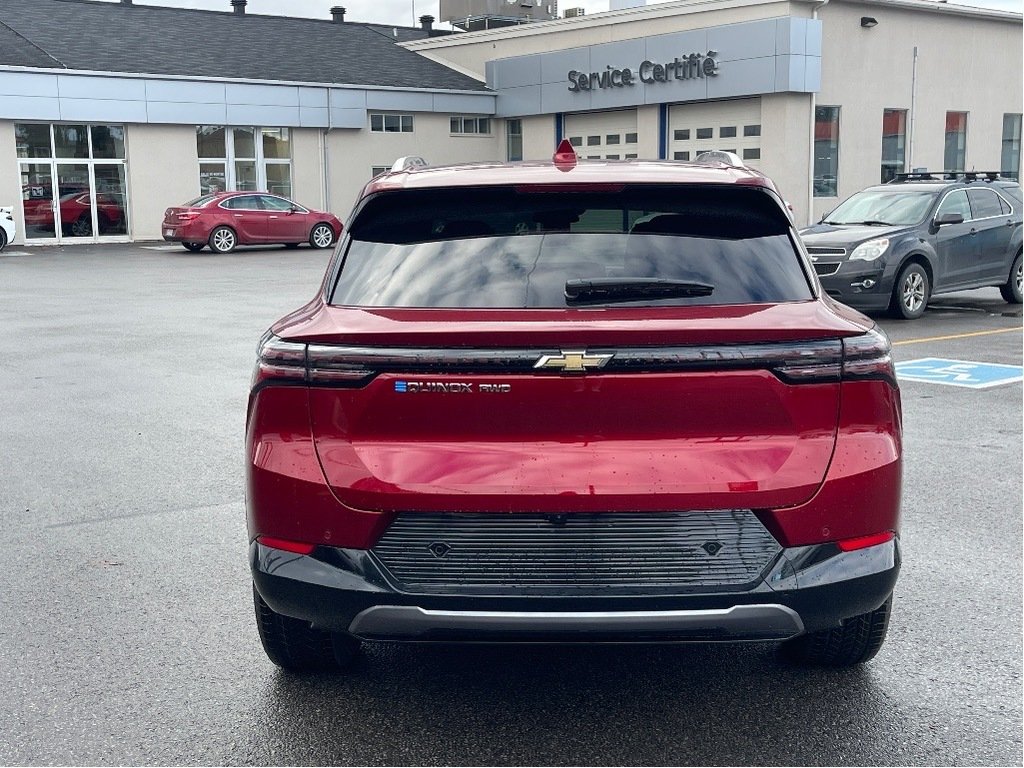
[573, 401]
[226, 220]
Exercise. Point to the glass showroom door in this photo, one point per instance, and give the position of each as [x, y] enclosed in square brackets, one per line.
[75, 219]
[37, 200]
[73, 182]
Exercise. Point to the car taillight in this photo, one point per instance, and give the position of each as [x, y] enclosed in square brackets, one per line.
[287, 545]
[869, 356]
[289, 362]
[279, 360]
[188, 215]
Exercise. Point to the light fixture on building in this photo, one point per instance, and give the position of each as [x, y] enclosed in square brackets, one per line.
[868, 22]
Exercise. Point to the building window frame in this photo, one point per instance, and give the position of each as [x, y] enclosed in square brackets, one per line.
[1009, 155]
[469, 125]
[954, 156]
[392, 122]
[514, 140]
[894, 143]
[826, 151]
[231, 165]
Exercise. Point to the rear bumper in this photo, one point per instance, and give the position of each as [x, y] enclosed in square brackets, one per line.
[806, 589]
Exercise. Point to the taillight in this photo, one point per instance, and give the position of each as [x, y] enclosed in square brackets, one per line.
[289, 362]
[188, 215]
[279, 360]
[869, 356]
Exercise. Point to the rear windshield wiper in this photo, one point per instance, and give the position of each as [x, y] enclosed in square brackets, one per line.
[598, 290]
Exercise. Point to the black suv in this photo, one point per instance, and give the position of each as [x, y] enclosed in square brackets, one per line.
[895, 245]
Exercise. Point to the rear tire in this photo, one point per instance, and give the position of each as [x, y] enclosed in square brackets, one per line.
[321, 236]
[911, 292]
[3, 239]
[1011, 290]
[853, 642]
[194, 247]
[297, 646]
[223, 240]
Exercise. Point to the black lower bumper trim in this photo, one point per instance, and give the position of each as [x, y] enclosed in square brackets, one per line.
[809, 588]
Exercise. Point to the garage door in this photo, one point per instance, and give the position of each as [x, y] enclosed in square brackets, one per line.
[604, 135]
[731, 126]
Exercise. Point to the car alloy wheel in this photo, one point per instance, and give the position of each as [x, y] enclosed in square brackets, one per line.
[223, 240]
[322, 236]
[1018, 278]
[82, 227]
[913, 292]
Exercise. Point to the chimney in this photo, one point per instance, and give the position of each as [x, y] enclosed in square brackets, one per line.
[338, 14]
[427, 22]
[239, 5]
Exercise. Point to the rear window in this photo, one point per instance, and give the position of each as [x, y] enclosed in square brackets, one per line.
[199, 202]
[505, 247]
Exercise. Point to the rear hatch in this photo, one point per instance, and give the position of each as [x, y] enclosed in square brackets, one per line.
[629, 349]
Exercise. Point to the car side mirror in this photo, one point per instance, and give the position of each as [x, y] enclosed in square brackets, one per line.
[949, 218]
[295, 209]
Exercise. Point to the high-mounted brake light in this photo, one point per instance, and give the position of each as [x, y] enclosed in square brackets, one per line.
[565, 156]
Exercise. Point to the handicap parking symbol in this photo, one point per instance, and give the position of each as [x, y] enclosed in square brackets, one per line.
[958, 373]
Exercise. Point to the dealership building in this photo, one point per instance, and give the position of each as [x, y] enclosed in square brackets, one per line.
[110, 112]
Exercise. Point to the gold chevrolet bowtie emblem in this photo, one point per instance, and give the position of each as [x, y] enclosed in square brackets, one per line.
[574, 361]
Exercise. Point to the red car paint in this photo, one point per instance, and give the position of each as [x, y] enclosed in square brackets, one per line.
[818, 462]
[195, 223]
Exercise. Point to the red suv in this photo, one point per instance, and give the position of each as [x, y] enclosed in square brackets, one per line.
[565, 401]
[228, 219]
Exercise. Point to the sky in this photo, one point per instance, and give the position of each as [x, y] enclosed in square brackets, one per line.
[406, 12]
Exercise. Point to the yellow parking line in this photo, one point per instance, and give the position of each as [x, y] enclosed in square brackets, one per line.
[957, 336]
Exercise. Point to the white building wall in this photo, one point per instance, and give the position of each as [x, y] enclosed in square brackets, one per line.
[163, 170]
[10, 183]
[968, 65]
[307, 162]
[471, 51]
[353, 154]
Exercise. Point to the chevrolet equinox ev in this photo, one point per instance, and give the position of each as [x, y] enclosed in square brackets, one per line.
[573, 402]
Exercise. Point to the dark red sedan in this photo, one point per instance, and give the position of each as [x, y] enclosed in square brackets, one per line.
[229, 219]
[573, 401]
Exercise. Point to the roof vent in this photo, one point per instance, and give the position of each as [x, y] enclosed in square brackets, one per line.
[338, 14]
[239, 5]
[427, 22]
[126, 2]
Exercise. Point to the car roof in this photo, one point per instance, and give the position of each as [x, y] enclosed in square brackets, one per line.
[581, 172]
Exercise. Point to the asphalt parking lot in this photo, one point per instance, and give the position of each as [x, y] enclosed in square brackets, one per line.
[127, 633]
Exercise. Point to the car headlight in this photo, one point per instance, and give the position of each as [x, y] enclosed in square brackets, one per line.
[870, 250]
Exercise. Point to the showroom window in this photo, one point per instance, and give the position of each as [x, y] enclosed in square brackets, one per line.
[386, 123]
[73, 180]
[514, 134]
[826, 151]
[1010, 162]
[244, 159]
[894, 143]
[377, 170]
[955, 158]
[471, 126]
